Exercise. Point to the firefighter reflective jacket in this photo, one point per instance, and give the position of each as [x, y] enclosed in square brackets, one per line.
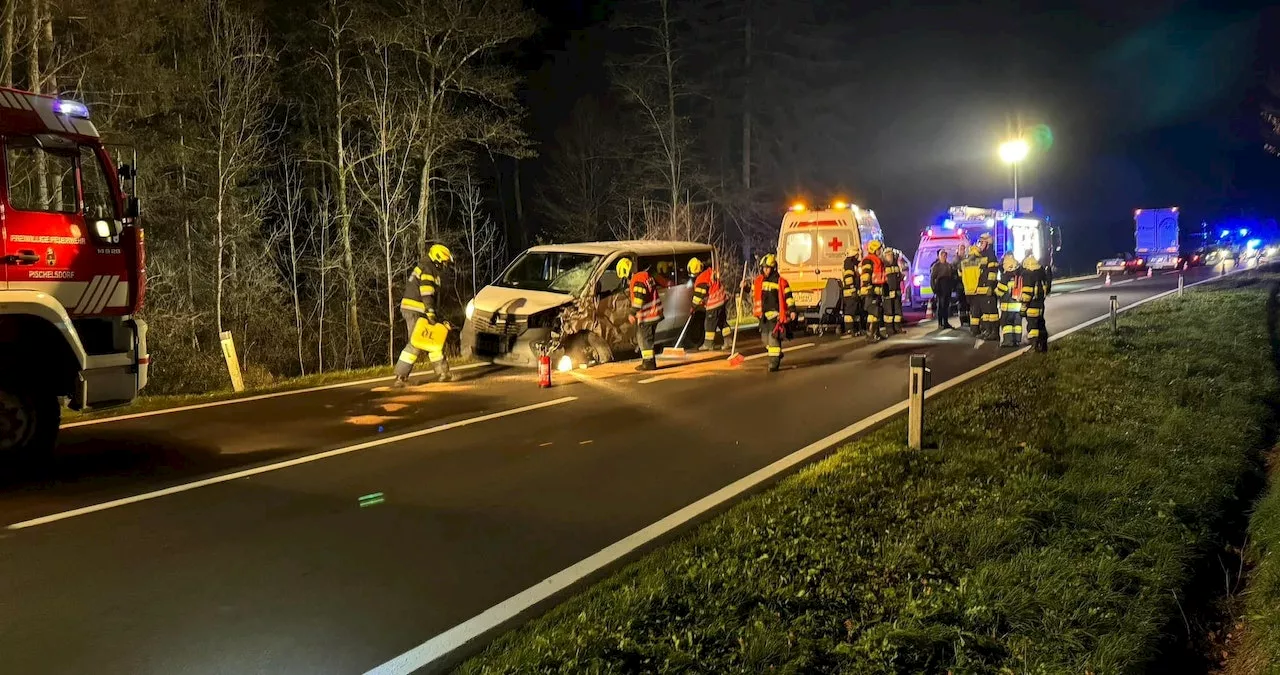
[707, 290]
[990, 272]
[1009, 290]
[1035, 285]
[873, 276]
[421, 288]
[646, 306]
[971, 269]
[769, 295]
[851, 273]
[892, 276]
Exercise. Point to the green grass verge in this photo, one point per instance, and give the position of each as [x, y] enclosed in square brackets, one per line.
[1261, 651]
[1054, 530]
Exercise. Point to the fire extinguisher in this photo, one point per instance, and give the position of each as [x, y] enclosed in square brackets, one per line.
[544, 370]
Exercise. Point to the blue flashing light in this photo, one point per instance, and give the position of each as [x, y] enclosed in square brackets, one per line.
[948, 224]
[1244, 232]
[1254, 243]
[1224, 234]
[991, 222]
[71, 108]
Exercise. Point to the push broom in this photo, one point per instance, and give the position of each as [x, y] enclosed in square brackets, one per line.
[677, 352]
[736, 359]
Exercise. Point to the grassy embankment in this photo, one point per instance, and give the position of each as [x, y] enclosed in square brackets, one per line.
[1056, 528]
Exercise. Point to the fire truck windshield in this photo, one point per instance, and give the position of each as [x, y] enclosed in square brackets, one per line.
[40, 180]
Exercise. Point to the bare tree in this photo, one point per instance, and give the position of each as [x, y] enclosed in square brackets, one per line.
[466, 96]
[337, 26]
[654, 82]
[589, 174]
[289, 208]
[393, 117]
[237, 110]
[6, 67]
[479, 232]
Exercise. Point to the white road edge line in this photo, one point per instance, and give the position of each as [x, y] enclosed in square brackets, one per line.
[258, 397]
[437, 649]
[44, 520]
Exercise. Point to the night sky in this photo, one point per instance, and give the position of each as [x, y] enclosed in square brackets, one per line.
[1149, 104]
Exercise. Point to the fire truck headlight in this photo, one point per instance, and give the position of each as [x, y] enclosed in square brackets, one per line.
[105, 229]
[470, 311]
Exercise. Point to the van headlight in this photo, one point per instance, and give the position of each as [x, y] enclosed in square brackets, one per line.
[471, 309]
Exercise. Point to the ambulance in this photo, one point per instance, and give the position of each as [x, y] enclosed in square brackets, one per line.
[813, 244]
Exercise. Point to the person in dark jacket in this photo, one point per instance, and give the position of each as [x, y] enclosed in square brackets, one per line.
[941, 279]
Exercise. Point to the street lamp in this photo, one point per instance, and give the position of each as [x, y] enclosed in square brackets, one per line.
[1012, 152]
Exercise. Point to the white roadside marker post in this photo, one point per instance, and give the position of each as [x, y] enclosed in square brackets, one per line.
[915, 414]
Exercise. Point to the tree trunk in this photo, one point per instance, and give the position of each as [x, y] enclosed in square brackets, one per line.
[355, 345]
[387, 250]
[524, 236]
[673, 150]
[33, 83]
[426, 224]
[6, 69]
[746, 103]
[50, 85]
[221, 238]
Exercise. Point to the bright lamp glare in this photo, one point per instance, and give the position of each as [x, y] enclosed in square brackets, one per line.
[1014, 151]
[565, 364]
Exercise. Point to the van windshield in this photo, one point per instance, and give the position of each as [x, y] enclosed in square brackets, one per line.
[554, 271]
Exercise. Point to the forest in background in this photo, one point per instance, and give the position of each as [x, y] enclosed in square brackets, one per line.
[296, 157]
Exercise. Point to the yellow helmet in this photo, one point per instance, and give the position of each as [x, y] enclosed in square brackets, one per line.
[694, 266]
[439, 253]
[874, 246]
[623, 268]
[665, 266]
[1009, 263]
[1030, 262]
[974, 250]
[769, 260]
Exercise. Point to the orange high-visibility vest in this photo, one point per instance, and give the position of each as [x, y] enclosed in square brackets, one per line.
[708, 289]
[757, 298]
[648, 309]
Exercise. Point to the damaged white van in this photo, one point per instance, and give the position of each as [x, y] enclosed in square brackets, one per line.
[568, 299]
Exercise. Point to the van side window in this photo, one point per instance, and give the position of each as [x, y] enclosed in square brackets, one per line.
[682, 266]
[658, 267]
[40, 180]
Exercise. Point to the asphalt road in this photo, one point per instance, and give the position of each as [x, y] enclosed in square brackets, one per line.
[284, 571]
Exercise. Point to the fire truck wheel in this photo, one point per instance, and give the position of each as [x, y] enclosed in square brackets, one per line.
[28, 422]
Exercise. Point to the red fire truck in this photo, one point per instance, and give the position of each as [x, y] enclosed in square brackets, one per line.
[71, 272]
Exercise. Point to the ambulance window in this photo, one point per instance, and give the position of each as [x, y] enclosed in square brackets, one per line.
[797, 248]
[40, 180]
[98, 200]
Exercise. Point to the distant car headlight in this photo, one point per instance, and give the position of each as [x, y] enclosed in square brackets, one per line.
[471, 309]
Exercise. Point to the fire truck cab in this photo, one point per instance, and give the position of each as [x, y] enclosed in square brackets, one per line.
[71, 272]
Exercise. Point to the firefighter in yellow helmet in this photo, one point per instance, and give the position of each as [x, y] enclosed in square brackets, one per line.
[972, 267]
[709, 295]
[663, 274]
[646, 310]
[987, 288]
[892, 290]
[1035, 288]
[1009, 297]
[773, 304]
[421, 302]
[872, 286]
